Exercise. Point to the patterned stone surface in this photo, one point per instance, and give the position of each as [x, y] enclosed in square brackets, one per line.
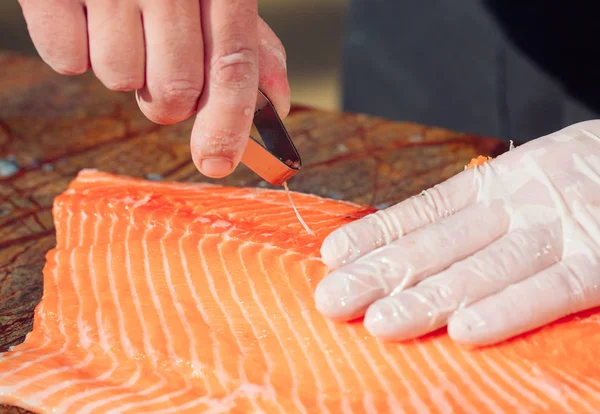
[52, 126]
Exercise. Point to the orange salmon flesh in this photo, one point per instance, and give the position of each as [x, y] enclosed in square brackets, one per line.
[476, 162]
[189, 298]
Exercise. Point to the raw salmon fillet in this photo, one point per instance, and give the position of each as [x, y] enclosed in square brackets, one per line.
[176, 298]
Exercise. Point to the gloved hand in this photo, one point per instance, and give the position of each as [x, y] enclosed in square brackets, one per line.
[180, 56]
[492, 252]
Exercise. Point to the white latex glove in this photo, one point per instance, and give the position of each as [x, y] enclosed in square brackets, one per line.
[493, 252]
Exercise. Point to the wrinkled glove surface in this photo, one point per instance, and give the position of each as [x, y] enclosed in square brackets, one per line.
[493, 252]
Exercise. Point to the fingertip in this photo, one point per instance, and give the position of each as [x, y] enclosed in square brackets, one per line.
[121, 83]
[335, 249]
[278, 91]
[467, 327]
[458, 330]
[59, 34]
[333, 302]
[160, 117]
[284, 107]
[379, 320]
[167, 109]
[64, 56]
[215, 154]
[324, 301]
[275, 85]
[346, 294]
[273, 79]
[215, 167]
[398, 318]
[356, 239]
[68, 68]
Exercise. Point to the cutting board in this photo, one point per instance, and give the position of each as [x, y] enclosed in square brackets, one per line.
[52, 126]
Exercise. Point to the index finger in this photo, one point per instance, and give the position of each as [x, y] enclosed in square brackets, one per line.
[227, 103]
[385, 226]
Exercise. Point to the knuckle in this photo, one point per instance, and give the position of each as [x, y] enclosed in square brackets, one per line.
[171, 101]
[439, 296]
[223, 141]
[68, 68]
[156, 115]
[387, 226]
[273, 64]
[123, 84]
[118, 68]
[178, 92]
[67, 59]
[216, 142]
[235, 68]
[280, 48]
[434, 201]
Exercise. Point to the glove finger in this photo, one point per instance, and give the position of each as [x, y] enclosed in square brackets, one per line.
[427, 306]
[346, 293]
[569, 286]
[383, 227]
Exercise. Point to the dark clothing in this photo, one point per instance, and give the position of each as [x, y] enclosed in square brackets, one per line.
[511, 69]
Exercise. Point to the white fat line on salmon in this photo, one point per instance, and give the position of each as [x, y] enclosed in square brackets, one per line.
[298, 216]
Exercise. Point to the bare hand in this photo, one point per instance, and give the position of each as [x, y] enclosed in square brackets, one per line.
[180, 56]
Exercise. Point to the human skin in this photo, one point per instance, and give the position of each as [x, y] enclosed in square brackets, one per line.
[183, 58]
